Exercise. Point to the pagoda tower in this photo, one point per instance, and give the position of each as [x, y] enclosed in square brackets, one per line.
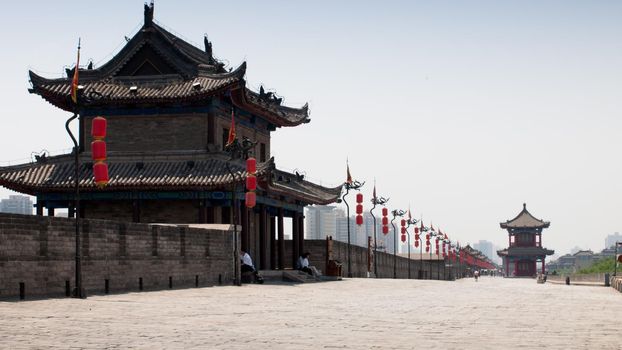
[524, 245]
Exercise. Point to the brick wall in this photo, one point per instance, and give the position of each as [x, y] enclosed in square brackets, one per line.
[317, 249]
[39, 252]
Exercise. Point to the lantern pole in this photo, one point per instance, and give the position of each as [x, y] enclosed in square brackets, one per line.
[432, 235]
[395, 213]
[410, 221]
[236, 151]
[78, 291]
[354, 185]
[376, 201]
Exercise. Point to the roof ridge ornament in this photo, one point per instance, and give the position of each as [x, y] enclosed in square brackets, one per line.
[149, 13]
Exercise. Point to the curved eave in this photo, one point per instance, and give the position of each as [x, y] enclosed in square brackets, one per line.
[304, 191]
[56, 175]
[506, 225]
[273, 112]
[57, 91]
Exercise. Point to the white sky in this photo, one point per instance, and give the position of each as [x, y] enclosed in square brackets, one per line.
[464, 110]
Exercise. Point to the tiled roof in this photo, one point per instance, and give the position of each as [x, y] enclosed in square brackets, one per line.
[305, 191]
[525, 220]
[270, 108]
[188, 64]
[525, 251]
[56, 174]
[189, 172]
[174, 90]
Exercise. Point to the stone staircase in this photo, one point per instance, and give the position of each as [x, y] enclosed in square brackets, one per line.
[295, 276]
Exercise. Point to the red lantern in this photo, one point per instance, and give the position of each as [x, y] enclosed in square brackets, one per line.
[98, 128]
[385, 229]
[427, 249]
[251, 165]
[98, 150]
[359, 220]
[100, 170]
[359, 198]
[427, 243]
[416, 236]
[416, 244]
[385, 212]
[251, 199]
[403, 238]
[403, 230]
[403, 222]
[385, 221]
[427, 236]
[416, 229]
[251, 182]
[359, 209]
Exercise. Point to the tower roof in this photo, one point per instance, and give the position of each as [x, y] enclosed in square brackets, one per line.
[524, 219]
[155, 67]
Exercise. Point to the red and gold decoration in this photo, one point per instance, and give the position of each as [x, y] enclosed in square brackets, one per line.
[385, 221]
[98, 150]
[251, 182]
[359, 209]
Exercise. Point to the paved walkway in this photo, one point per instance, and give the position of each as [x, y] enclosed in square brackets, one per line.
[493, 313]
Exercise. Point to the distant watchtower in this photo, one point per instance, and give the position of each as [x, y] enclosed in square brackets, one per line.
[525, 245]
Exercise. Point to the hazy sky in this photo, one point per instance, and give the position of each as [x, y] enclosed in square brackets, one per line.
[464, 109]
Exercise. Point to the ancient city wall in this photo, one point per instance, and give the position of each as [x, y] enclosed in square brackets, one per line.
[38, 252]
[317, 249]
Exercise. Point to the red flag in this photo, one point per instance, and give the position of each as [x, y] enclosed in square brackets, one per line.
[74, 81]
[349, 177]
[232, 130]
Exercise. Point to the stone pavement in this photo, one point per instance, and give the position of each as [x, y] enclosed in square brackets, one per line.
[494, 313]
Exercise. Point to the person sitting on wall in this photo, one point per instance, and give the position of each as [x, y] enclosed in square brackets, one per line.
[303, 265]
[248, 268]
[247, 262]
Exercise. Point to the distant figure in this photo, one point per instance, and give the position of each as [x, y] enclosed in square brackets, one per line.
[476, 275]
[303, 265]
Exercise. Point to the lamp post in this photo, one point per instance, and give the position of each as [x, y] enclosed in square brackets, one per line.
[395, 213]
[376, 201]
[353, 185]
[432, 235]
[82, 97]
[409, 222]
[236, 150]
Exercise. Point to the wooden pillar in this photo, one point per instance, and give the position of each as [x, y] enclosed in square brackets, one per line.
[71, 211]
[272, 232]
[244, 234]
[210, 214]
[543, 270]
[263, 241]
[281, 245]
[301, 232]
[50, 211]
[202, 212]
[82, 212]
[136, 210]
[295, 239]
[39, 208]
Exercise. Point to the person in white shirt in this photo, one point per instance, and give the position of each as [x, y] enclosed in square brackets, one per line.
[247, 262]
[303, 265]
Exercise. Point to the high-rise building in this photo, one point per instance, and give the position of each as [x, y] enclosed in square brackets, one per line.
[17, 204]
[611, 240]
[321, 221]
[486, 247]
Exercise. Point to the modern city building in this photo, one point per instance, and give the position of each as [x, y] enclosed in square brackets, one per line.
[321, 221]
[611, 240]
[16, 204]
[486, 248]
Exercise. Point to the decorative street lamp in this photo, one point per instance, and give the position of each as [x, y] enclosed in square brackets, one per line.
[376, 201]
[396, 213]
[350, 185]
[409, 222]
[238, 150]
